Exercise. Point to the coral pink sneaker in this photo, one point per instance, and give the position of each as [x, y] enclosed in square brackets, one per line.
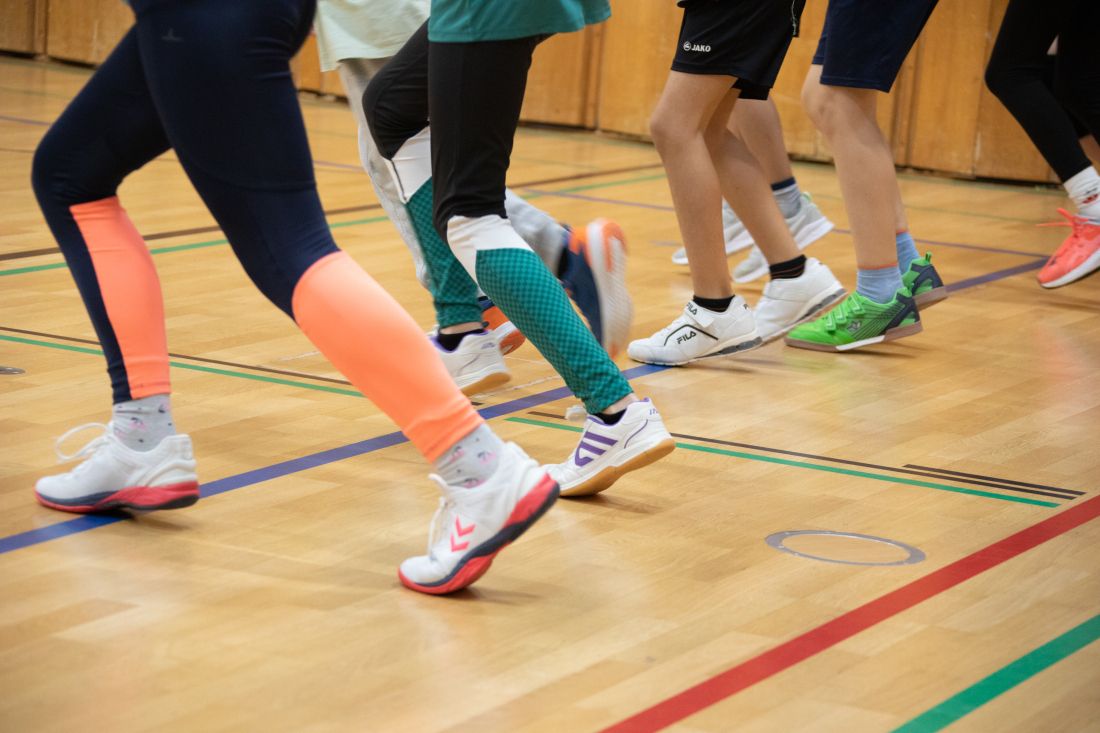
[1077, 258]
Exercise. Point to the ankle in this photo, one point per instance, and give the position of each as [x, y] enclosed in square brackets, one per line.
[788, 270]
[718, 305]
[449, 340]
[143, 423]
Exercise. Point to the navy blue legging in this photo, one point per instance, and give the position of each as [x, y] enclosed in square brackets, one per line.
[211, 80]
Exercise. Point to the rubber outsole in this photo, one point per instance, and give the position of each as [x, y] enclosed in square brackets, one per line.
[528, 511]
[747, 345]
[136, 498]
[491, 381]
[929, 298]
[892, 335]
[605, 478]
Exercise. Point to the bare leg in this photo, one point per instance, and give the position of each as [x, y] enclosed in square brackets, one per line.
[679, 128]
[864, 166]
[757, 123]
[745, 184]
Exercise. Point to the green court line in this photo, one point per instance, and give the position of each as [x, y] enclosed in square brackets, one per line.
[1004, 679]
[814, 466]
[590, 186]
[193, 367]
[182, 247]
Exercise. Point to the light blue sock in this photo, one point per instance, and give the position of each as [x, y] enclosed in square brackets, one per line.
[907, 251]
[879, 284]
[788, 196]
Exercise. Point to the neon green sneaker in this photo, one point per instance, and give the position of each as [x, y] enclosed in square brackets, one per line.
[924, 283]
[859, 321]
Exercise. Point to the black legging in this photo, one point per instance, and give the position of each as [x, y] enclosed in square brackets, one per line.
[472, 92]
[1015, 76]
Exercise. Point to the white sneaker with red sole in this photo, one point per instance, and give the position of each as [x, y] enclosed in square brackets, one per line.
[117, 477]
[472, 525]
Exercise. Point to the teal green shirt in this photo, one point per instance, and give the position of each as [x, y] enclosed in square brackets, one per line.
[465, 21]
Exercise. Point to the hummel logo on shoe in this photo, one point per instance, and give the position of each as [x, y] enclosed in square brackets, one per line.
[460, 531]
[596, 451]
[854, 326]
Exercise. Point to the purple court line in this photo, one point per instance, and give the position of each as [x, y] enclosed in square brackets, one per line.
[998, 275]
[339, 165]
[26, 122]
[278, 470]
[655, 207]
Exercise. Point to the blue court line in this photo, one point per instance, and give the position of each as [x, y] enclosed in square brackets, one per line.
[278, 470]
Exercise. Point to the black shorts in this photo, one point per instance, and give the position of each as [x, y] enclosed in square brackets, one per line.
[865, 42]
[747, 39]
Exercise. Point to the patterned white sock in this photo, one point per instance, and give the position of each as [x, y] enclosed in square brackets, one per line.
[1084, 190]
[471, 460]
[141, 424]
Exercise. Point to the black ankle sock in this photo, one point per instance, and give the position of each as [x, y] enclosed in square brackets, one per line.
[450, 341]
[789, 269]
[718, 305]
[611, 419]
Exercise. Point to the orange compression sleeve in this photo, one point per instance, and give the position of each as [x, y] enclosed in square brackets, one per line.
[363, 331]
[131, 294]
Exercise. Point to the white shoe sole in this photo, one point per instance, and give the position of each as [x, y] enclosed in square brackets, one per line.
[737, 345]
[738, 243]
[1086, 268]
[629, 460]
[803, 239]
[817, 306]
[616, 306]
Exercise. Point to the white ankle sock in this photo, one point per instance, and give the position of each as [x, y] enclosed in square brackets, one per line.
[1084, 190]
[141, 424]
[471, 460]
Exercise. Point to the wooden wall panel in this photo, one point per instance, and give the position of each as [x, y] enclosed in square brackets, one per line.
[23, 26]
[949, 88]
[86, 30]
[558, 85]
[801, 136]
[306, 67]
[1002, 149]
[639, 43]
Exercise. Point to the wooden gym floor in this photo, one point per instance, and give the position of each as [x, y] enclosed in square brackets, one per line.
[274, 603]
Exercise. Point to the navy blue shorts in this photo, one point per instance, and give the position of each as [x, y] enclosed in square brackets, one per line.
[865, 42]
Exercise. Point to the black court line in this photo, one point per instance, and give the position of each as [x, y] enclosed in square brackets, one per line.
[336, 212]
[1062, 495]
[990, 478]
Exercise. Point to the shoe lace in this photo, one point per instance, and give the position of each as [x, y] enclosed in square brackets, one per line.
[89, 448]
[446, 504]
[842, 314]
[1078, 223]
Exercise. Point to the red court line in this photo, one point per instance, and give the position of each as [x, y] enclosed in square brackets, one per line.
[801, 648]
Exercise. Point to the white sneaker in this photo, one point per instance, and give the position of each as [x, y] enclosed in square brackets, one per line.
[606, 452]
[476, 364]
[472, 525]
[791, 301]
[117, 477]
[736, 235]
[807, 226]
[699, 334]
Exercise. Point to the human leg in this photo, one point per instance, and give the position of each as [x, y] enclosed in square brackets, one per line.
[110, 129]
[469, 162]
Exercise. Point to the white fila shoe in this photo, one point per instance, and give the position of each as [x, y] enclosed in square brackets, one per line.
[807, 226]
[476, 364]
[118, 477]
[472, 525]
[736, 235]
[699, 334]
[606, 452]
[787, 302]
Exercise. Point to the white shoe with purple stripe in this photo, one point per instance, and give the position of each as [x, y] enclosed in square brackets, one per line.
[606, 452]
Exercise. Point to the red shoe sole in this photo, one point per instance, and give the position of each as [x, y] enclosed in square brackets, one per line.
[526, 513]
[139, 498]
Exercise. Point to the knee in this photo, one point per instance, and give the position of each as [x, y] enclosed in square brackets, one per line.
[814, 102]
[663, 130]
[47, 171]
[997, 78]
